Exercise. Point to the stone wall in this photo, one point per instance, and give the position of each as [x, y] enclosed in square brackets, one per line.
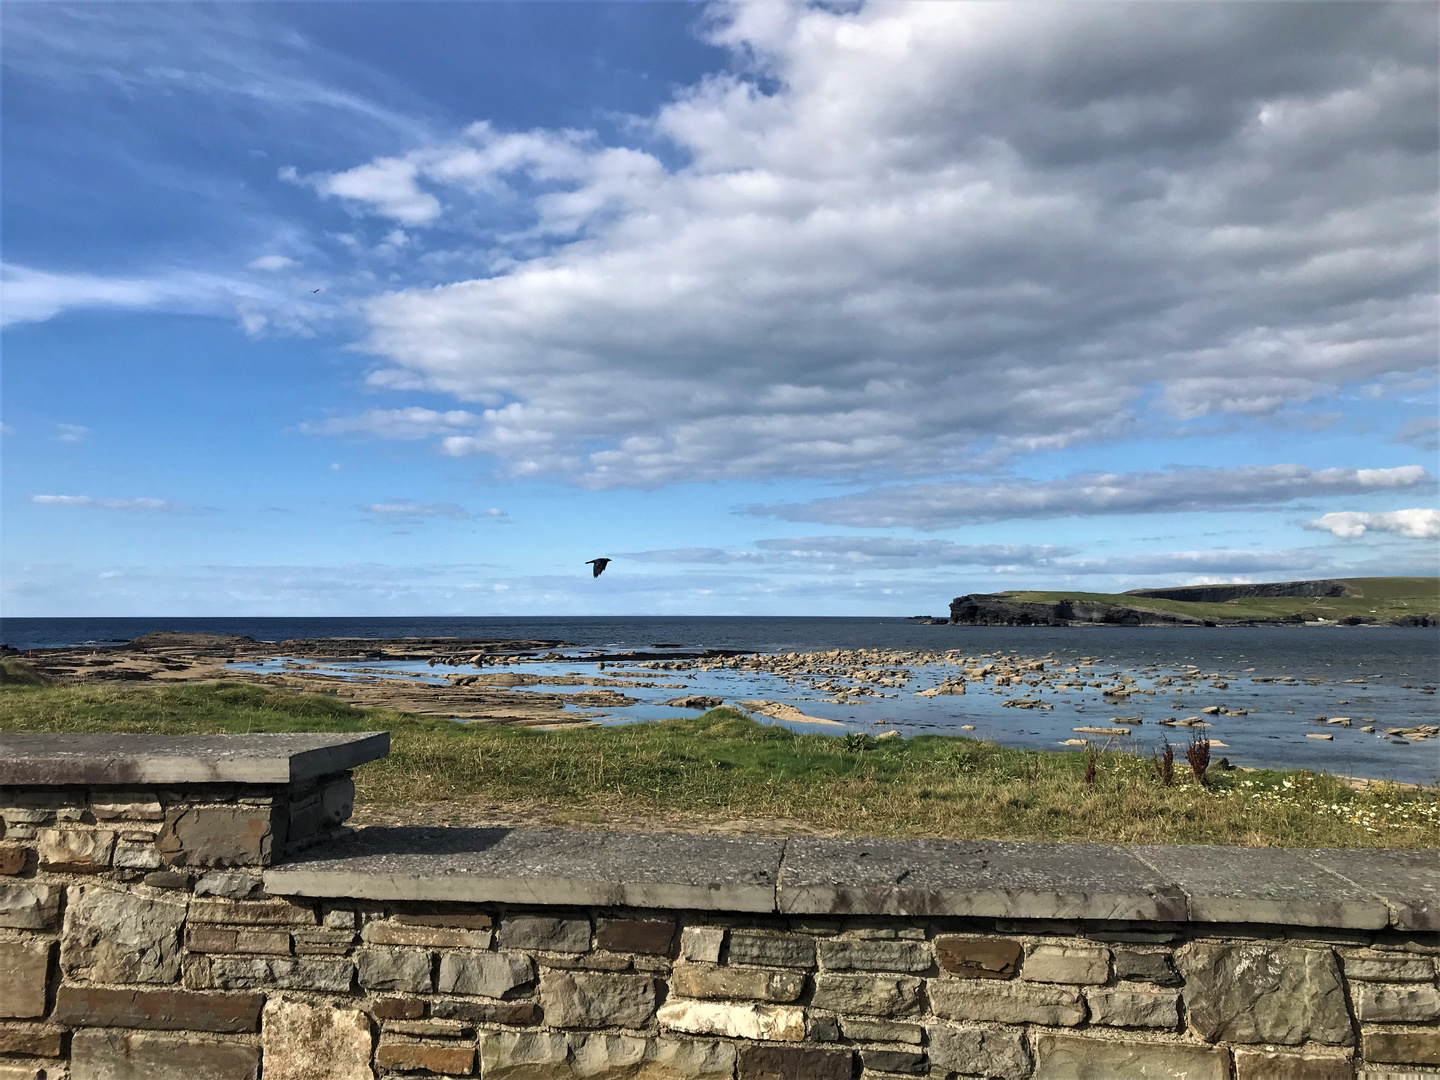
[359, 961]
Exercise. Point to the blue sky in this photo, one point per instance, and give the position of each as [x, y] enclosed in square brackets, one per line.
[411, 308]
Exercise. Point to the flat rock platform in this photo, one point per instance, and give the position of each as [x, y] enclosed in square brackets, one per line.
[1361, 890]
[42, 760]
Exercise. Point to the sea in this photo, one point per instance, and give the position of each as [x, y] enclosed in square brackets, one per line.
[1383, 677]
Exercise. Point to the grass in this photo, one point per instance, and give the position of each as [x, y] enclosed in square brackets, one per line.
[1381, 598]
[724, 766]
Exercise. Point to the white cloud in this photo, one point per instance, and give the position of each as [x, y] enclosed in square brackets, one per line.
[71, 433]
[851, 553]
[949, 505]
[108, 504]
[411, 423]
[1419, 524]
[913, 235]
[272, 262]
[407, 510]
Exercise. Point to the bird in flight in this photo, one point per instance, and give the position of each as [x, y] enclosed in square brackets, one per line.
[598, 564]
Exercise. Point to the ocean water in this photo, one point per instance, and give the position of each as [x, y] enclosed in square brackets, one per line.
[1396, 665]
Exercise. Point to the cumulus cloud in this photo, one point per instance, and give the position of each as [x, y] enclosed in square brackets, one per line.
[906, 236]
[408, 511]
[108, 504]
[948, 505]
[1419, 524]
[411, 423]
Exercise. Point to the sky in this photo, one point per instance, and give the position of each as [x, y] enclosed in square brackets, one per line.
[845, 309]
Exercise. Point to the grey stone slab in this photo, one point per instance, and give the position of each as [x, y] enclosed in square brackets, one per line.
[280, 758]
[1407, 881]
[1264, 885]
[536, 866]
[980, 878]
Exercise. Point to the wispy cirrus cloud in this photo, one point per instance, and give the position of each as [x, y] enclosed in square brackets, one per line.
[1418, 524]
[90, 502]
[409, 511]
[71, 433]
[949, 505]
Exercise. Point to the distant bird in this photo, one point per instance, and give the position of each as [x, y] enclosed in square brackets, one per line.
[314, 290]
[599, 565]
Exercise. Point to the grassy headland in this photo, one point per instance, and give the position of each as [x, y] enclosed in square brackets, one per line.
[723, 766]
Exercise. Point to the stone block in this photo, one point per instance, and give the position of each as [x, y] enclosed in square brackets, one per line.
[771, 950]
[1072, 1057]
[793, 1063]
[899, 956]
[459, 920]
[1387, 967]
[13, 859]
[1264, 994]
[14, 1070]
[210, 939]
[757, 984]
[1006, 1003]
[701, 944]
[1151, 967]
[127, 1055]
[979, 1051]
[1070, 964]
[231, 835]
[230, 884]
[397, 1008]
[117, 937]
[493, 975]
[306, 1041]
[434, 937]
[872, 995]
[157, 1010]
[895, 1062]
[819, 1028]
[237, 973]
[24, 970]
[251, 912]
[586, 1000]
[433, 1028]
[523, 1055]
[407, 970]
[322, 942]
[979, 958]
[136, 857]
[32, 1040]
[169, 879]
[1404, 1003]
[516, 1013]
[1133, 1008]
[734, 1020]
[650, 937]
[75, 851]
[446, 1058]
[1255, 1064]
[544, 934]
[126, 805]
[1399, 1046]
[31, 906]
[864, 1029]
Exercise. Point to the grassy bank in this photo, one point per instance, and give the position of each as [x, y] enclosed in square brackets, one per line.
[725, 766]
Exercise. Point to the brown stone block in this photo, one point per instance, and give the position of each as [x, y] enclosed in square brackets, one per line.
[24, 968]
[1253, 1064]
[512, 1013]
[232, 835]
[13, 858]
[1064, 1056]
[209, 939]
[760, 1062]
[250, 912]
[757, 984]
[462, 921]
[32, 1040]
[136, 1055]
[429, 1029]
[652, 937]
[76, 851]
[1401, 1046]
[426, 1057]
[979, 958]
[397, 1008]
[157, 1010]
[439, 937]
